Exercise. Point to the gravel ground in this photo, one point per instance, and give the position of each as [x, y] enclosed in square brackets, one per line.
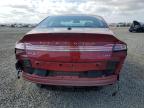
[22, 94]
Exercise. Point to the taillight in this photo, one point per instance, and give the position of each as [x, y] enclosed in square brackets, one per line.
[120, 47]
[51, 48]
[19, 45]
[19, 48]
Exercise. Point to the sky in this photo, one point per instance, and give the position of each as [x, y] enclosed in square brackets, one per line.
[33, 11]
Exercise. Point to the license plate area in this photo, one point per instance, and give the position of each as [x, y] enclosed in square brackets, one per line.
[74, 67]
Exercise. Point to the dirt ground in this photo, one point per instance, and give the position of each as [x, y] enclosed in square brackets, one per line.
[16, 93]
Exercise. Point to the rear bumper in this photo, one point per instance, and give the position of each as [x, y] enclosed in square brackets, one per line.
[71, 81]
[44, 77]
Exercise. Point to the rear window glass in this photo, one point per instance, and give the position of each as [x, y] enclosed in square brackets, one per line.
[73, 21]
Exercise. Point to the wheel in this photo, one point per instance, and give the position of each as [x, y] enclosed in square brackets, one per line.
[130, 30]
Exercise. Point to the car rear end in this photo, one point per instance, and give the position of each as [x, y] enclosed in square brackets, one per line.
[71, 57]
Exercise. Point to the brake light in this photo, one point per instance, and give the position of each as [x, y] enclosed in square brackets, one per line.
[120, 47]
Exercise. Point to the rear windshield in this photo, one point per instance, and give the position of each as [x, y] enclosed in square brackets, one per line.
[73, 21]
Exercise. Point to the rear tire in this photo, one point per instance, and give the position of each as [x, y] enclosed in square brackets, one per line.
[130, 31]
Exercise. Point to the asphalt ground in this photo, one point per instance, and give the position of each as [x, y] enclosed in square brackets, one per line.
[16, 93]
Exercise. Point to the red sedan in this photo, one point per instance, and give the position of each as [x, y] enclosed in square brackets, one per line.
[71, 50]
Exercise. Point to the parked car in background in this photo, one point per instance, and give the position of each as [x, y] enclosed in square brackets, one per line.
[137, 27]
[71, 50]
